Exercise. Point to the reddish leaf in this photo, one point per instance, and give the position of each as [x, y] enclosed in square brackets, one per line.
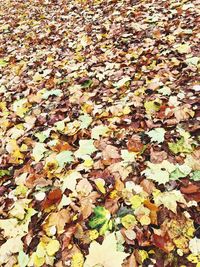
[53, 197]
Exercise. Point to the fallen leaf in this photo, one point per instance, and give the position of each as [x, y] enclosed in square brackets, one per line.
[101, 254]
[157, 135]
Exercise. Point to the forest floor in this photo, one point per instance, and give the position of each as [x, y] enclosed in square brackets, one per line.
[99, 133]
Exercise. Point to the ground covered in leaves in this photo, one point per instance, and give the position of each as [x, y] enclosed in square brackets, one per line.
[99, 133]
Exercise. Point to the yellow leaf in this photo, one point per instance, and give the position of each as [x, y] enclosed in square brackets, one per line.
[93, 234]
[136, 201]
[100, 183]
[183, 48]
[77, 260]
[128, 221]
[126, 110]
[88, 161]
[143, 254]
[37, 77]
[145, 220]
[193, 258]
[52, 247]
[38, 261]
[98, 131]
[40, 252]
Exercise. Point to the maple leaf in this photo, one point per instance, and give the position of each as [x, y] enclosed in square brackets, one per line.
[70, 180]
[85, 120]
[180, 172]
[159, 172]
[157, 135]
[77, 260]
[152, 106]
[42, 136]
[64, 157]
[128, 221]
[52, 247]
[194, 246]
[4, 172]
[98, 131]
[105, 255]
[60, 125]
[183, 48]
[38, 151]
[195, 175]
[192, 60]
[86, 147]
[56, 92]
[11, 246]
[165, 90]
[170, 199]
[110, 152]
[180, 146]
[127, 156]
[122, 82]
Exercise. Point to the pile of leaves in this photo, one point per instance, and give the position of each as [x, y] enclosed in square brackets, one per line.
[99, 133]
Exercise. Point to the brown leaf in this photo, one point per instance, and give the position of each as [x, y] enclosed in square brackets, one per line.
[112, 205]
[53, 197]
[191, 188]
[110, 152]
[148, 186]
[67, 236]
[162, 242]
[58, 219]
[131, 261]
[135, 144]
[157, 156]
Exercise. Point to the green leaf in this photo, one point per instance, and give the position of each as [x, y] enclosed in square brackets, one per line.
[4, 172]
[180, 172]
[64, 157]
[62, 81]
[86, 84]
[152, 106]
[196, 175]
[157, 135]
[124, 211]
[23, 259]
[180, 146]
[3, 63]
[100, 219]
[42, 136]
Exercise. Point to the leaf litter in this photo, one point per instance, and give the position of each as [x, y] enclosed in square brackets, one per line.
[99, 129]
